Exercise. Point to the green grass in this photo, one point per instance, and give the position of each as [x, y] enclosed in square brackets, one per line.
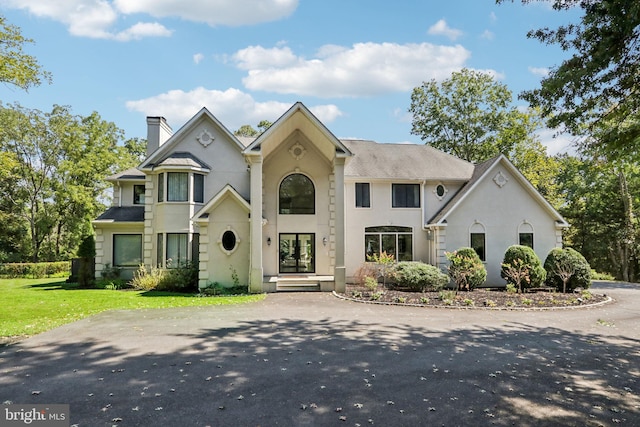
[31, 306]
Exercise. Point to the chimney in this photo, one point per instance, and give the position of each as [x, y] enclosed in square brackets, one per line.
[158, 131]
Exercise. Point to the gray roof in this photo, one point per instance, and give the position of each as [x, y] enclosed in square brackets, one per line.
[478, 172]
[132, 173]
[404, 161]
[182, 159]
[123, 214]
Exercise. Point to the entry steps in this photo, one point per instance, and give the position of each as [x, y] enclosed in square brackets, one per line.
[301, 283]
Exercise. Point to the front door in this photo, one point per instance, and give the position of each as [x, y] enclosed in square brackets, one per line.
[297, 253]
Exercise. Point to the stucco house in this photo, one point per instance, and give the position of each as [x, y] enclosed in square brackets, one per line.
[298, 208]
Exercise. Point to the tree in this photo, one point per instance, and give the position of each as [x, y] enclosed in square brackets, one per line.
[466, 269]
[246, 130]
[599, 82]
[16, 67]
[58, 165]
[522, 267]
[470, 116]
[601, 202]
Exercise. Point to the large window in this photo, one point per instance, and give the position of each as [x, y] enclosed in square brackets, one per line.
[405, 195]
[127, 250]
[138, 194]
[363, 198]
[396, 241]
[176, 249]
[297, 195]
[177, 187]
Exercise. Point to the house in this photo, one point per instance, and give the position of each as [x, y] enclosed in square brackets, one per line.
[298, 208]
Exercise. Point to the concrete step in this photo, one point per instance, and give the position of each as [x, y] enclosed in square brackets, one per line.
[297, 286]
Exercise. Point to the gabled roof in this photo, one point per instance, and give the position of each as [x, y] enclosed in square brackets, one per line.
[129, 174]
[280, 125]
[170, 144]
[228, 191]
[481, 170]
[404, 161]
[122, 214]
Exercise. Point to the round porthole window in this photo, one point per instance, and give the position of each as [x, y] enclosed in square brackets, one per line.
[441, 191]
[229, 240]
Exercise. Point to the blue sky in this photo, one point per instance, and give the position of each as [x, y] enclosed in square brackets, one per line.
[353, 63]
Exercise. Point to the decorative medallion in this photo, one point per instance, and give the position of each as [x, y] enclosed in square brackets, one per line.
[205, 138]
[500, 179]
[297, 151]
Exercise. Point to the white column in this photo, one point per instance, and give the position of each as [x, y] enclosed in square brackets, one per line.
[256, 276]
[340, 269]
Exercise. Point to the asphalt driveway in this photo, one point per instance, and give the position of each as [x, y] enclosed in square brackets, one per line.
[300, 359]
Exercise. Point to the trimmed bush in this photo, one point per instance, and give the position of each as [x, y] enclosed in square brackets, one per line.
[183, 278]
[522, 268]
[420, 277]
[567, 270]
[466, 269]
[35, 270]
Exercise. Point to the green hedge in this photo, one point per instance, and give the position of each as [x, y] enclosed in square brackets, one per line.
[35, 270]
[420, 277]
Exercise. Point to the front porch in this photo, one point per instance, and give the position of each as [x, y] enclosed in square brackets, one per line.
[298, 283]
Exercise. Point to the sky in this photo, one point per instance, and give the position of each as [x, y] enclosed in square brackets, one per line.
[352, 63]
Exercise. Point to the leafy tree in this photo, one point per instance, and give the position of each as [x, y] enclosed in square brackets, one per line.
[136, 148]
[59, 164]
[246, 130]
[264, 125]
[16, 67]
[599, 82]
[601, 203]
[469, 115]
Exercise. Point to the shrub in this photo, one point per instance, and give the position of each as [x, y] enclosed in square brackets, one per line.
[567, 270]
[522, 267]
[371, 283]
[384, 263]
[147, 280]
[86, 253]
[420, 277]
[184, 278]
[466, 269]
[35, 270]
[367, 270]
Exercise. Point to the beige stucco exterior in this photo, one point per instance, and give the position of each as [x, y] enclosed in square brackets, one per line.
[234, 225]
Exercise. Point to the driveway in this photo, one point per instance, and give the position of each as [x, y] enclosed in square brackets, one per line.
[299, 359]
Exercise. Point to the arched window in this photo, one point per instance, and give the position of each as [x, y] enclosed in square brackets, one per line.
[525, 234]
[477, 240]
[297, 195]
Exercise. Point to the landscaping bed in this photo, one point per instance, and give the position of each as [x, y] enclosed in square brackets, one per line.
[478, 298]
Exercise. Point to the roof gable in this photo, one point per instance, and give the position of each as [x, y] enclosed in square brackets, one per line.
[166, 149]
[298, 117]
[481, 172]
[227, 192]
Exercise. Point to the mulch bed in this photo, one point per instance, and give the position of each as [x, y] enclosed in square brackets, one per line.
[478, 298]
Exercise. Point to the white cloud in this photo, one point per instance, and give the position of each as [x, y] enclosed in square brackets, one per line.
[212, 12]
[441, 28]
[365, 69]
[258, 57]
[492, 17]
[539, 71]
[487, 35]
[232, 107]
[556, 143]
[98, 18]
[88, 18]
[197, 58]
[141, 30]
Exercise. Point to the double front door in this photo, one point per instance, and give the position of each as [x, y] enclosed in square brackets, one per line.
[297, 253]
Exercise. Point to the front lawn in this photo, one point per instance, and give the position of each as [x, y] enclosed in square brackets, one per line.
[31, 306]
